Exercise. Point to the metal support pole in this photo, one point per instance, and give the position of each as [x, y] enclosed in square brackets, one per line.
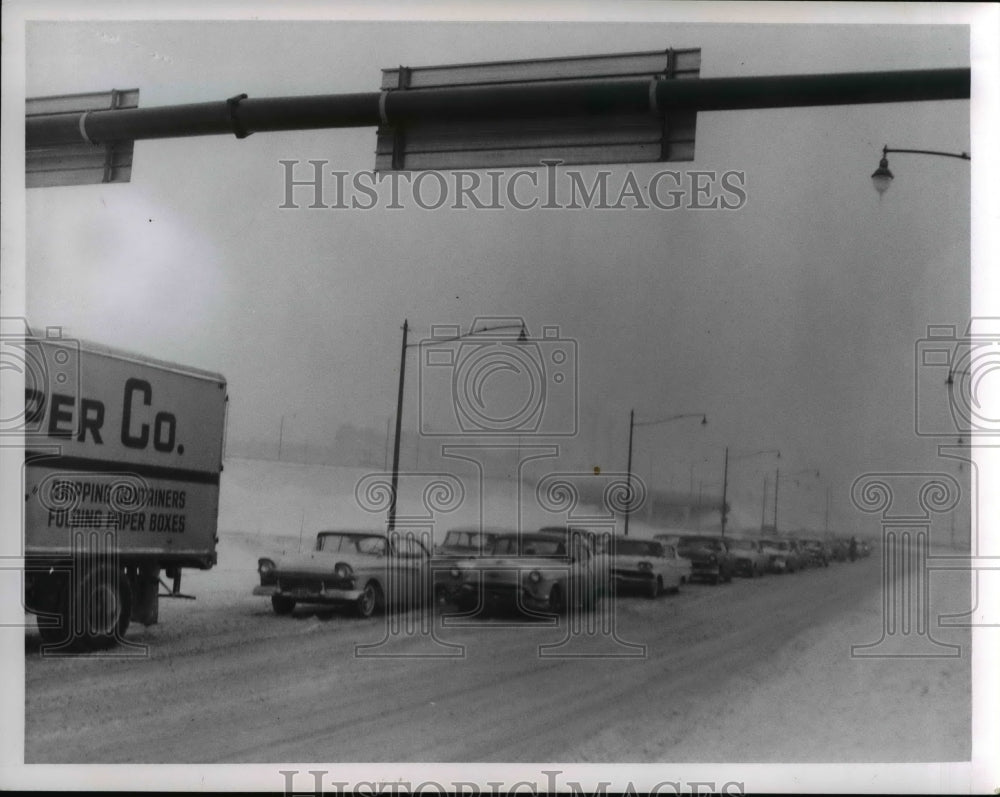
[763, 505]
[725, 489]
[399, 427]
[628, 478]
[243, 116]
[777, 475]
[826, 518]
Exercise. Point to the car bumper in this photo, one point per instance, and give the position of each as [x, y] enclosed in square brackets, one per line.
[505, 595]
[307, 595]
[705, 570]
[631, 579]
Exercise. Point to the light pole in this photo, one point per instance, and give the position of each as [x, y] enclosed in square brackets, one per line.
[787, 476]
[631, 426]
[725, 477]
[882, 177]
[521, 338]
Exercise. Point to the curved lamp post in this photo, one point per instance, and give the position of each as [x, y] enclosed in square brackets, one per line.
[882, 177]
[632, 423]
[725, 477]
[521, 338]
[777, 475]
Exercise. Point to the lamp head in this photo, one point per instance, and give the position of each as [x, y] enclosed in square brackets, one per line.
[882, 177]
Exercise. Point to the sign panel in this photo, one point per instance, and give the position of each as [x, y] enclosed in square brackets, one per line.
[625, 138]
[79, 163]
[122, 444]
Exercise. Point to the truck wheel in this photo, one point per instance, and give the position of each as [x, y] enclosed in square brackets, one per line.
[104, 605]
[282, 604]
[56, 634]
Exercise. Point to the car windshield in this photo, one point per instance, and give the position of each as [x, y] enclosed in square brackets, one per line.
[637, 548]
[470, 540]
[700, 542]
[371, 544]
[529, 546]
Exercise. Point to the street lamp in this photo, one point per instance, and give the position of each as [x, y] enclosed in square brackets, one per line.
[631, 425]
[521, 338]
[882, 177]
[777, 475]
[725, 476]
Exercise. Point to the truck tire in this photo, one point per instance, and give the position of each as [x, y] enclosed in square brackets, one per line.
[59, 633]
[103, 602]
[282, 604]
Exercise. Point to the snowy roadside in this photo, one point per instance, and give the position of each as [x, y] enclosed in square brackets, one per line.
[812, 697]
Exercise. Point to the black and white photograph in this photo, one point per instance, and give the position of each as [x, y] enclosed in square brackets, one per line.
[546, 398]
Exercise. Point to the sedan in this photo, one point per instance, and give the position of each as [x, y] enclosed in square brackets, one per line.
[366, 571]
[751, 561]
[710, 557]
[647, 566]
[783, 556]
[817, 552]
[547, 571]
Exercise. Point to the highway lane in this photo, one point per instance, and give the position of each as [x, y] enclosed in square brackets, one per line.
[231, 682]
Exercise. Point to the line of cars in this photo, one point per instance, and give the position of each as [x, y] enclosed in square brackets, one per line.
[545, 571]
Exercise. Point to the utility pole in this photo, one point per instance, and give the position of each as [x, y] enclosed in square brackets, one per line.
[399, 427]
[826, 519]
[763, 505]
[628, 478]
[777, 474]
[725, 487]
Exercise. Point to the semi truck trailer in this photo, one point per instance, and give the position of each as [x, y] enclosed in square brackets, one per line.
[122, 466]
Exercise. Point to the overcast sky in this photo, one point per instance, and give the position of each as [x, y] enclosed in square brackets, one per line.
[791, 321]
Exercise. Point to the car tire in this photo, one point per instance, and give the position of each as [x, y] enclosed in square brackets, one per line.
[369, 600]
[282, 604]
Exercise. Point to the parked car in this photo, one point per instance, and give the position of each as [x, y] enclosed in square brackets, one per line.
[464, 543]
[647, 566]
[709, 556]
[816, 552]
[545, 571]
[365, 570]
[751, 561]
[459, 545]
[783, 555]
[838, 549]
